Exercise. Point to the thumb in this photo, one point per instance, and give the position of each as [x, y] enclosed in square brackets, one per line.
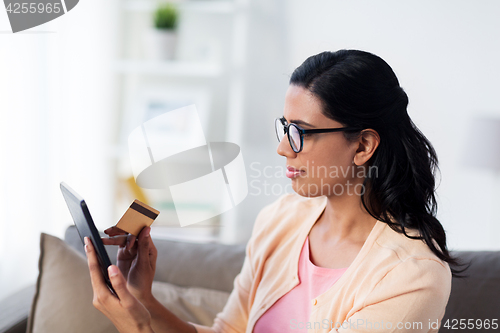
[119, 283]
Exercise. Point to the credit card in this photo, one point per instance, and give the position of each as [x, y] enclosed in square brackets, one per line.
[137, 216]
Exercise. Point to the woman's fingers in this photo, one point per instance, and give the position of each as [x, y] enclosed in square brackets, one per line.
[125, 311]
[120, 286]
[114, 231]
[98, 284]
[147, 252]
[130, 242]
[143, 247]
[119, 237]
[120, 240]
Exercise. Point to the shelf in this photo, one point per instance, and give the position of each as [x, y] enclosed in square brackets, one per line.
[205, 6]
[209, 51]
[171, 68]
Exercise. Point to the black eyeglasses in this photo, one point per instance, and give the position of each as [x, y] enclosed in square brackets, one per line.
[296, 134]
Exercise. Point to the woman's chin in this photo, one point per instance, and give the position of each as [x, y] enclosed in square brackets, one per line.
[305, 189]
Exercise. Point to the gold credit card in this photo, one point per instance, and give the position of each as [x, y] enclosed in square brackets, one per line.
[137, 216]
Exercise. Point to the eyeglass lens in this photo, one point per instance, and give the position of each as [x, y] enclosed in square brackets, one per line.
[280, 129]
[294, 138]
[294, 134]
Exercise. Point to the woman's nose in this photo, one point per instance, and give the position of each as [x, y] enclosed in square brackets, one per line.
[284, 148]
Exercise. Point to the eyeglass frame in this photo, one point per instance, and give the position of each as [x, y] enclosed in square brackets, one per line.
[307, 131]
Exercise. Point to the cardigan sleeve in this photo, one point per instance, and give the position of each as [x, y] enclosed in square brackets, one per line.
[411, 297]
[234, 316]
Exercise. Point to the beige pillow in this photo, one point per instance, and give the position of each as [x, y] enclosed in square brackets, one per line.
[197, 305]
[63, 299]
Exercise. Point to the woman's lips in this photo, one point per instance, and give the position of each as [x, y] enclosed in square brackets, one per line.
[292, 172]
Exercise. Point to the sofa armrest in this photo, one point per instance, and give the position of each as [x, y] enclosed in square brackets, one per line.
[14, 311]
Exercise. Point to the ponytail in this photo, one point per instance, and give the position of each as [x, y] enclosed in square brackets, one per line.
[359, 89]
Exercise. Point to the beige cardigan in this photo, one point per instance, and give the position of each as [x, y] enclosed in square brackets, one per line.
[395, 284]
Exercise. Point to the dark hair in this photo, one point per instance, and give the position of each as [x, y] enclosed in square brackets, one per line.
[359, 89]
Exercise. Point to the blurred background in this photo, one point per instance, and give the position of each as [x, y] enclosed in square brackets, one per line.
[72, 90]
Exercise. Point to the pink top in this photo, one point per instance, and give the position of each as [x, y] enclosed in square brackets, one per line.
[291, 312]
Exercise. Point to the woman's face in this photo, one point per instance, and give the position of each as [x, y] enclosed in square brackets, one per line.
[324, 166]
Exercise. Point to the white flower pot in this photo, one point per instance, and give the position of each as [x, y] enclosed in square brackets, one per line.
[160, 44]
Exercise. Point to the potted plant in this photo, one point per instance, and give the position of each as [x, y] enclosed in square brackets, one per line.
[162, 37]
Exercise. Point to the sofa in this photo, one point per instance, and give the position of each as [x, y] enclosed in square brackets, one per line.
[194, 281]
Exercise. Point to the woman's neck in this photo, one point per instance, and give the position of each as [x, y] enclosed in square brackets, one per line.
[345, 220]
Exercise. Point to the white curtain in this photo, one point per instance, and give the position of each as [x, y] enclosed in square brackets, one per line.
[56, 124]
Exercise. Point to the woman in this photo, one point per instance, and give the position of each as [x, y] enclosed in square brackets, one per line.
[357, 248]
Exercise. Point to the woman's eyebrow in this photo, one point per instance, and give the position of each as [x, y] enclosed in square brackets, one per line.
[301, 122]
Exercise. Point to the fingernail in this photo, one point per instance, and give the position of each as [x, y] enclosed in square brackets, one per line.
[86, 248]
[112, 270]
[86, 240]
[148, 231]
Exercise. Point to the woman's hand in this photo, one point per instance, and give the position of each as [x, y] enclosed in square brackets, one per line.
[126, 312]
[119, 237]
[136, 260]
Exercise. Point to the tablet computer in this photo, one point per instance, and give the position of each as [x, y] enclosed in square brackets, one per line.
[86, 228]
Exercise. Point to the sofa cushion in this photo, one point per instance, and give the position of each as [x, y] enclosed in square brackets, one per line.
[197, 305]
[181, 262]
[63, 299]
[210, 266]
[477, 296]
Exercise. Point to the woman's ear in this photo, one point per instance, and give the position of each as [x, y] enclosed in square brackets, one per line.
[367, 144]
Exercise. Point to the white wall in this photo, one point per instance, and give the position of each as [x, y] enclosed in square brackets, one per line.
[445, 54]
[56, 124]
